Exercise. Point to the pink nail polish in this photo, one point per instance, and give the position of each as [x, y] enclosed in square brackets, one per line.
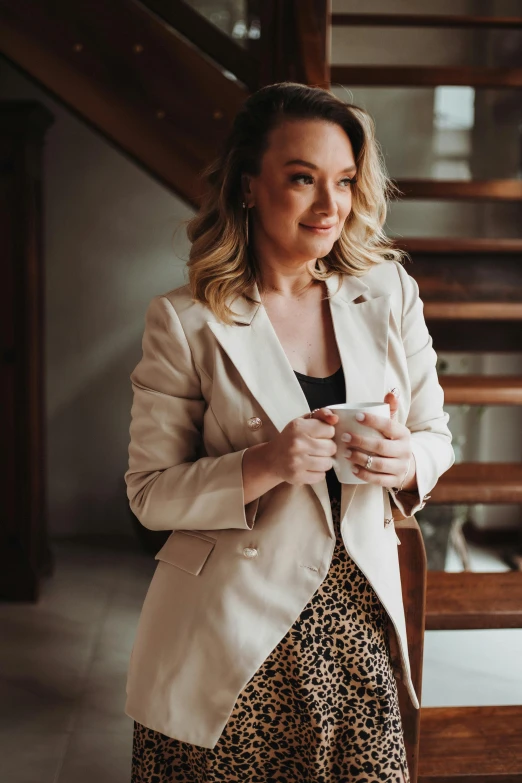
[360, 416]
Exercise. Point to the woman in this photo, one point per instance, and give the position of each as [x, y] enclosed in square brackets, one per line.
[263, 651]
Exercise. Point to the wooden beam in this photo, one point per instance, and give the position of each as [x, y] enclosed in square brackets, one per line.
[295, 42]
[471, 190]
[425, 20]
[424, 76]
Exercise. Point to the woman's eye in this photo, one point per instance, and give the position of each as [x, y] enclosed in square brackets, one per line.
[297, 177]
[309, 179]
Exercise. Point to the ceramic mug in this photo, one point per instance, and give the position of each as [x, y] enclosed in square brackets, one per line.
[348, 423]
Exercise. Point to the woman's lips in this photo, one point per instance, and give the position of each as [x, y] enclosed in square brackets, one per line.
[317, 229]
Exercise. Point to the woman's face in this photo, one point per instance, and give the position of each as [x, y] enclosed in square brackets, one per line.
[303, 187]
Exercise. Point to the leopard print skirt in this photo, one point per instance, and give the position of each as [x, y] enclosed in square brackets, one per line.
[322, 708]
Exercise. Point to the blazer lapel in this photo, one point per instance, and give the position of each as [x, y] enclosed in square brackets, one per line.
[361, 331]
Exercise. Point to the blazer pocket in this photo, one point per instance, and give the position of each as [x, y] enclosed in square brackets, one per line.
[187, 549]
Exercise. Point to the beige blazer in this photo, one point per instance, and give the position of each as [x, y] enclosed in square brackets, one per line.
[231, 580]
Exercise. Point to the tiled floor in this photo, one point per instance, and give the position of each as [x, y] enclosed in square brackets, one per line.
[63, 666]
[62, 670]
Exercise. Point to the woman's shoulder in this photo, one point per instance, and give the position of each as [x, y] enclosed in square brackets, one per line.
[387, 277]
[191, 313]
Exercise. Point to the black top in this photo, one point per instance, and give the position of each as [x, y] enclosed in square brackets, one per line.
[321, 392]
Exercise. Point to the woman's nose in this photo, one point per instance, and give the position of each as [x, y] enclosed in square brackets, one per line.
[325, 202]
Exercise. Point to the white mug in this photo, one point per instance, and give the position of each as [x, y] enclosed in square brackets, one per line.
[348, 423]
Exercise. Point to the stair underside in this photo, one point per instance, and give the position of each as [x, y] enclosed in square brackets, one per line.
[471, 745]
[480, 482]
[467, 600]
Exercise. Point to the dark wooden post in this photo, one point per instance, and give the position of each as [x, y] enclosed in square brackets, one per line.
[412, 560]
[295, 42]
[24, 552]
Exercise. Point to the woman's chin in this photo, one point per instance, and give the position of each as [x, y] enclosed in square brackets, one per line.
[319, 246]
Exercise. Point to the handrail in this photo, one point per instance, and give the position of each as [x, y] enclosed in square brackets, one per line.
[208, 38]
[413, 568]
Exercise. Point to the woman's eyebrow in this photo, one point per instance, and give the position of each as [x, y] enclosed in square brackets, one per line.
[313, 166]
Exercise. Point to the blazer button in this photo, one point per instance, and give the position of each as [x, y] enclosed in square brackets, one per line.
[254, 423]
[248, 552]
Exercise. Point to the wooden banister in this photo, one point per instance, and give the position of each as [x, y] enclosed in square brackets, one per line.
[212, 41]
[412, 561]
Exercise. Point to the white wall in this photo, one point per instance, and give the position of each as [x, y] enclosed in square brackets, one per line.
[108, 251]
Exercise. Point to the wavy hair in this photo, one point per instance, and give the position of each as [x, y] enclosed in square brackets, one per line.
[221, 265]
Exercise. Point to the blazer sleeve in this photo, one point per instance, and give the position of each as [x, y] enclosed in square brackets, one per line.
[427, 421]
[168, 487]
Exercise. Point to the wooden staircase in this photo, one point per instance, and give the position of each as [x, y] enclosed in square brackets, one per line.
[472, 293]
[163, 85]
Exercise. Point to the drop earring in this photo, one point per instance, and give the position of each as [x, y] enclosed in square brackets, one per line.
[245, 207]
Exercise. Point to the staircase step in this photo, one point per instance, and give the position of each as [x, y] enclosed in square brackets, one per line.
[471, 745]
[466, 600]
[423, 20]
[488, 190]
[473, 311]
[482, 389]
[480, 482]
[458, 245]
[425, 76]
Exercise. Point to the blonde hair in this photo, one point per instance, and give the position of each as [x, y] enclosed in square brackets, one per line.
[221, 265]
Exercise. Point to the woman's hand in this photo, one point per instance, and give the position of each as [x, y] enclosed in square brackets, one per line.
[303, 451]
[390, 448]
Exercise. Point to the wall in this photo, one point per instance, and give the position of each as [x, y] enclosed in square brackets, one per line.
[108, 251]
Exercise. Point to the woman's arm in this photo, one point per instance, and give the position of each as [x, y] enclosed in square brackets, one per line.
[168, 487]
[258, 476]
[427, 421]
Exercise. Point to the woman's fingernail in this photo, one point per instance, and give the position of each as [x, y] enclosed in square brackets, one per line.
[360, 416]
[346, 437]
[329, 412]
[348, 453]
[355, 469]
